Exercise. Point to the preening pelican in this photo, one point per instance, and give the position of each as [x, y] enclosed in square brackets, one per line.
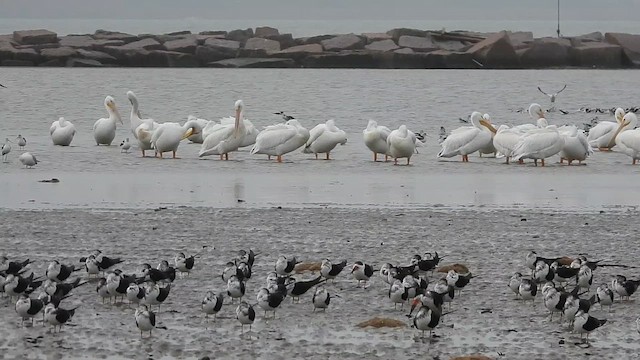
[536, 113]
[401, 143]
[539, 144]
[62, 132]
[576, 146]
[505, 140]
[323, 138]
[375, 138]
[489, 149]
[467, 139]
[250, 131]
[142, 129]
[104, 130]
[6, 149]
[628, 138]
[225, 138]
[602, 136]
[28, 160]
[167, 136]
[280, 139]
[197, 138]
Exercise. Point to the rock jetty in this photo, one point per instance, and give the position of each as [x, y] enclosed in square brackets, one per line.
[266, 47]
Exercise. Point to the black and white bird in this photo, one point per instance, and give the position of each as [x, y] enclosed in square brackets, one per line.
[573, 304]
[301, 287]
[269, 301]
[563, 274]
[59, 272]
[247, 257]
[362, 272]
[543, 272]
[156, 295]
[212, 304]
[155, 275]
[528, 290]
[27, 308]
[442, 136]
[102, 290]
[458, 281]
[6, 149]
[553, 96]
[22, 141]
[321, 299]
[623, 287]
[554, 301]
[532, 258]
[585, 324]
[514, 283]
[284, 266]
[12, 267]
[169, 271]
[184, 264]
[330, 271]
[244, 271]
[57, 316]
[585, 277]
[235, 288]
[604, 296]
[285, 117]
[118, 283]
[145, 319]
[125, 145]
[135, 293]
[15, 285]
[447, 291]
[61, 289]
[426, 264]
[397, 294]
[426, 320]
[245, 315]
[230, 270]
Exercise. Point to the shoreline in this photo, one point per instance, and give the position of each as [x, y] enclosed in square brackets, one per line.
[266, 47]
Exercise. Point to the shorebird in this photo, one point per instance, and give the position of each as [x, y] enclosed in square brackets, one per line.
[28, 160]
[247, 257]
[22, 142]
[585, 277]
[321, 299]
[230, 270]
[12, 267]
[125, 145]
[397, 294]
[135, 293]
[269, 301]
[604, 296]
[514, 283]
[245, 315]
[584, 323]
[554, 301]
[102, 290]
[211, 304]
[156, 295]
[528, 290]
[447, 291]
[285, 266]
[15, 285]
[362, 272]
[458, 281]
[301, 287]
[27, 308]
[58, 316]
[428, 264]
[624, 287]
[329, 271]
[426, 319]
[532, 258]
[61, 289]
[184, 264]
[285, 117]
[145, 319]
[59, 272]
[552, 96]
[235, 288]
[6, 149]
[564, 273]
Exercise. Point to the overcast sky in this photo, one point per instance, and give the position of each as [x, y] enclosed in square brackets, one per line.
[589, 10]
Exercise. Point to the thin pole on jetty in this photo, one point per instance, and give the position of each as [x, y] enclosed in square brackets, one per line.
[558, 30]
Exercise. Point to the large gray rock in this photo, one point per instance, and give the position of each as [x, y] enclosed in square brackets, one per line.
[134, 53]
[214, 33]
[240, 35]
[114, 35]
[9, 62]
[404, 51]
[343, 42]
[285, 40]
[520, 39]
[76, 62]
[162, 58]
[451, 45]
[600, 55]
[87, 42]
[25, 54]
[254, 63]
[382, 45]
[266, 31]
[206, 54]
[179, 33]
[594, 36]
[372, 37]
[144, 44]
[444, 59]
[630, 46]
[544, 54]
[61, 53]
[397, 33]
[184, 45]
[260, 45]
[299, 52]
[226, 45]
[421, 44]
[345, 59]
[99, 56]
[34, 37]
[313, 39]
[560, 41]
[495, 51]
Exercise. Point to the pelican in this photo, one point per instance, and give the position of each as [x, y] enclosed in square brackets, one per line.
[27, 159]
[167, 136]
[142, 129]
[467, 139]
[401, 143]
[197, 138]
[539, 144]
[628, 138]
[602, 136]
[505, 140]
[323, 138]
[6, 149]
[250, 131]
[224, 139]
[489, 149]
[280, 139]
[576, 146]
[62, 132]
[22, 142]
[375, 138]
[104, 130]
[535, 112]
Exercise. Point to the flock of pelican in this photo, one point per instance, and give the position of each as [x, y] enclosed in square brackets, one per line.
[536, 141]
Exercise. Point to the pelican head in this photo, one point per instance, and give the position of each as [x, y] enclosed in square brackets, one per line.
[239, 106]
[536, 110]
[132, 97]
[486, 122]
[619, 115]
[110, 104]
[629, 121]
[372, 125]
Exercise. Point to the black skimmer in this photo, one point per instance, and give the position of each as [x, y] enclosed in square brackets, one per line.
[528, 290]
[105, 263]
[532, 258]
[211, 304]
[16, 285]
[582, 261]
[248, 257]
[362, 272]
[384, 272]
[398, 294]
[230, 270]
[428, 264]
[564, 273]
[329, 271]
[12, 267]
[61, 289]
[514, 283]
[447, 291]
[554, 300]
[430, 299]
[543, 272]
[321, 299]
[135, 293]
[27, 308]
[604, 296]
[59, 272]
[624, 287]
[244, 270]
[235, 288]
[245, 315]
[102, 290]
[156, 275]
[584, 323]
[426, 319]
[585, 277]
[184, 264]
[117, 283]
[458, 281]
[58, 316]
[169, 271]
[573, 304]
[156, 295]
[411, 286]
[269, 301]
[145, 320]
[301, 287]
[92, 265]
[284, 266]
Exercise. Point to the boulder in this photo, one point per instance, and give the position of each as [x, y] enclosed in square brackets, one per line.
[266, 31]
[593, 54]
[133, 53]
[421, 44]
[100, 56]
[214, 33]
[630, 46]
[185, 45]
[114, 35]
[495, 51]
[145, 44]
[343, 42]
[9, 62]
[52, 63]
[261, 46]
[594, 36]
[398, 32]
[34, 37]
[382, 45]
[371, 37]
[299, 52]
[206, 54]
[25, 54]
[404, 51]
[451, 45]
[544, 54]
[560, 41]
[520, 39]
[61, 52]
[163, 58]
[76, 62]
[87, 42]
[230, 46]
[240, 35]
[345, 59]
[444, 59]
[313, 39]
[179, 33]
[285, 40]
[254, 63]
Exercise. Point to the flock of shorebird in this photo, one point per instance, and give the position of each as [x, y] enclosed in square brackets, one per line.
[537, 141]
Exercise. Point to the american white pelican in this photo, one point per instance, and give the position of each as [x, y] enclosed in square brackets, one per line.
[62, 132]
[125, 145]
[489, 149]
[602, 136]
[142, 129]
[536, 113]
[505, 140]
[401, 143]
[323, 138]
[280, 139]
[628, 138]
[167, 136]
[197, 138]
[22, 142]
[6, 149]
[27, 159]
[467, 139]
[225, 138]
[576, 146]
[250, 131]
[375, 138]
[104, 130]
[539, 144]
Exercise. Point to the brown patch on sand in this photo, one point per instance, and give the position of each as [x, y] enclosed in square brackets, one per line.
[379, 322]
[472, 357]
[459, 268]
[307, 266]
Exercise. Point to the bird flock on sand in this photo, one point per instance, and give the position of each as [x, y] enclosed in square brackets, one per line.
[537, 141]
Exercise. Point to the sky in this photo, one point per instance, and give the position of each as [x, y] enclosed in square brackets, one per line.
[588, 10]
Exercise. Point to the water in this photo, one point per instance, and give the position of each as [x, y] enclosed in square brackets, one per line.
[423, 99]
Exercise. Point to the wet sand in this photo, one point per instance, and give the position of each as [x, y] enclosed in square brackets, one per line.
[491, 242]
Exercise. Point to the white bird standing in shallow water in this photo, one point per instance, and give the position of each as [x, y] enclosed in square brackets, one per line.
[323, 138]
[28, 160]
[104, 130]
[225, 138]
[401, 143]
[125, 145]
[576, 146]
[6, 149]
[375, 138]
[468, 139]
[489, 149]
[628, 138]
[62, 132]
[197, 138]
[22, 142]
[602, 136]
[539, 144]
[505, 140]
[280, 139]
[142, 129]
[166, 137]
[250, 131]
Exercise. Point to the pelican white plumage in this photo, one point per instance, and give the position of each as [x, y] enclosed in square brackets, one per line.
[401, 143]
[489, 149]
[6, 149]
[323, 138]
[104, 130]
[375, 138]
[167, 136]
[602, 136]
[28, 160]
[280, 139]
[539, 144]
[197, 137]
[505, 140]
[576, 146]
[250, 131]
[628, 138]
[62, 132]
[535, 112]
[224, 139]
[467, 139]
[142, 129]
